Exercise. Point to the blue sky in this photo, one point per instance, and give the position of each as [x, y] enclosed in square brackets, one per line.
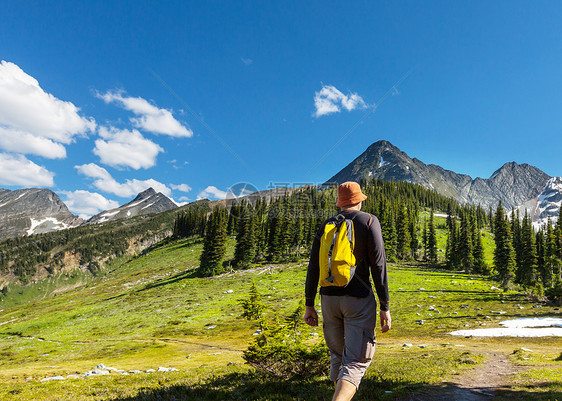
[99, 100]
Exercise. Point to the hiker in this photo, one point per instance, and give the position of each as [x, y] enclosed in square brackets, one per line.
[346, 248]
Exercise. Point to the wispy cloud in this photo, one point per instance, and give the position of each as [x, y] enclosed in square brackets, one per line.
[124, 148]
[106, 183]
[33, 121]
[246, 61]
[150, 117]
[211, 192]
[18, 170]
[86, 204]
[330, 100]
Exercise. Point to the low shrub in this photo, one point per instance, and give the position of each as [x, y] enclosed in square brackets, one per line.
[281, 350]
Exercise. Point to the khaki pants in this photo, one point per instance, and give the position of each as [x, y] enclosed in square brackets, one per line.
[349, 330]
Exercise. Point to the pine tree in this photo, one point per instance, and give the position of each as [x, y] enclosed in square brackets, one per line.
[425, 241]
[245, 250]
[465, 242]
[540, 248]
[451, 252]
[274, 232]
[253, 306]
[527, 270]
[402, 233]
[431, 240]
[480, 265]
[558, 234]
[388, 229]
[450, 217]
[214, 245]
[504, 254]
[552, 263]
[517, 242]
[414, 243]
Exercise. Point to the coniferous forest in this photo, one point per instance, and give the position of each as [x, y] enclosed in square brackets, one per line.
[283, 230]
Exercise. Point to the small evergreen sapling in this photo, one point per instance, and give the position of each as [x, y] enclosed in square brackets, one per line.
[253, 306]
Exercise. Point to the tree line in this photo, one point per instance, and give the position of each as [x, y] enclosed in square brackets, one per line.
[282, 230]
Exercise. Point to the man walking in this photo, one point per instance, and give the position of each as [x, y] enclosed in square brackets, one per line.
[349, 311]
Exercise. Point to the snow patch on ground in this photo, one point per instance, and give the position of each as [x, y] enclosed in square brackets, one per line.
[383, 162]
[526, 327]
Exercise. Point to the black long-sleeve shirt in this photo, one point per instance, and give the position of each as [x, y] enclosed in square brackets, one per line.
[368, 251]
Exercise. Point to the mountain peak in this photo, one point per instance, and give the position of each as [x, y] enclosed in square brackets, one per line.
[515, 168]
[383, 145]
[147, 193]
[514, 184]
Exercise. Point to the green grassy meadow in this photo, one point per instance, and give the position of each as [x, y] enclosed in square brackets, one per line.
[151, 311]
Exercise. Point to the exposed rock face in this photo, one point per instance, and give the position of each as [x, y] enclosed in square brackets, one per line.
[146, 202]
[548, 203]
[514, 184]
[33, 211]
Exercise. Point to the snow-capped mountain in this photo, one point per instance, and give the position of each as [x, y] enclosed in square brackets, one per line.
[516, 185]
[33, 211]
[146, 202]
[548, 203]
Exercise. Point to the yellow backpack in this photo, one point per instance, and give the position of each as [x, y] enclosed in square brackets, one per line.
[337, 261]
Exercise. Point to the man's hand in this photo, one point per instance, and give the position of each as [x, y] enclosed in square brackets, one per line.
[310, 316]
[385, 321]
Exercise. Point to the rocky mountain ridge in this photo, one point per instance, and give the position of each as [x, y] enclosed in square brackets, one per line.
[146, 202]
[516, 185]
[33, 211]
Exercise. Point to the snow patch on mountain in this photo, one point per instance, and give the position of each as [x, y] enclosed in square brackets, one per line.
[46, 225]
[548, 203]
[109, 214]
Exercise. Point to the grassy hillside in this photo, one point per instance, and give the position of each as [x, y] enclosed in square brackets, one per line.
[151, 311]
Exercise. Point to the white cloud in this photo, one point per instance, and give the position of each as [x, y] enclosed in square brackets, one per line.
[105, 182]
[124, 148]
[14, 140]
[246, 61]
[211, 192]
[33, 121]
[18, 170]
[86, 204]
[330, 100]
[150, 118]
[181, 187]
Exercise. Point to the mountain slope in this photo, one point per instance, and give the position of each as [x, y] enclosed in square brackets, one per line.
[514, 184]
[146, 202]
[548, 203]
[33, 211]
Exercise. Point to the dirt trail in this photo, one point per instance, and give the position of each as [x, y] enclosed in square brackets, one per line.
[477, 384]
